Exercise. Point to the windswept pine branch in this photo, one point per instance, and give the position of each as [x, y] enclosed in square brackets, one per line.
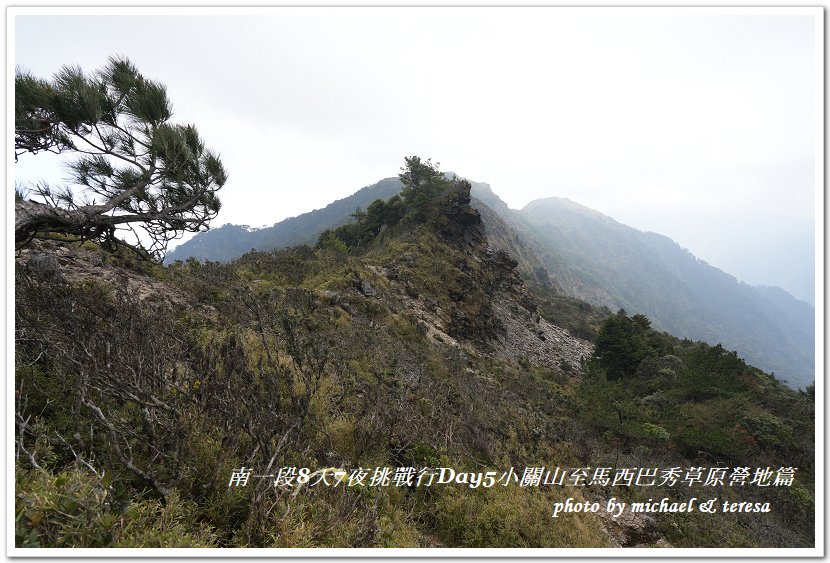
[134, 166]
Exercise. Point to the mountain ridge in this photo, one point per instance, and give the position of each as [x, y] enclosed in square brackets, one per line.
[574, 254]
[406, 339]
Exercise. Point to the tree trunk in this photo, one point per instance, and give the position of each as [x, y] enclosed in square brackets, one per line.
[31, 217]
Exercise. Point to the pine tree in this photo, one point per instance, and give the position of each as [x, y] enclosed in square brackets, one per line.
[134, 168]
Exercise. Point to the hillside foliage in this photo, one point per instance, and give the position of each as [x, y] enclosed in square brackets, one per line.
[137, 395]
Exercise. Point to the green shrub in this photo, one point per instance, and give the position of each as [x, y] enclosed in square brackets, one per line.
[75, 509]
[655, 432]
[511, 517]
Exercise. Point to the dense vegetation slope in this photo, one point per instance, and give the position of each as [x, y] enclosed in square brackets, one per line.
[403, 339]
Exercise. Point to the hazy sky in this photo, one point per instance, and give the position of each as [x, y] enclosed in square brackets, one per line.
[700, 127]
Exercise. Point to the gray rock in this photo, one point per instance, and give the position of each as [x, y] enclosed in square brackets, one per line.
[410, 290]
[44, 264]
[367, 289]
[331, 297]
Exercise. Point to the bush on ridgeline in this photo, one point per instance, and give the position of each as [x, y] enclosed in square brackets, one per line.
[426, 197]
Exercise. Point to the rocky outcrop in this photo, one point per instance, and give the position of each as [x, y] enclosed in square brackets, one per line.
[530, 338]
[488, 308]
[76, 265]
[633, 530]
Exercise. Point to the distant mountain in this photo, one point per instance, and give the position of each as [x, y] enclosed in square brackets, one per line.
[232, 241]
[605, 262]
[582, 253]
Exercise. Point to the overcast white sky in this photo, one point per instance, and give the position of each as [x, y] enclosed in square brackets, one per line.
[700, 127]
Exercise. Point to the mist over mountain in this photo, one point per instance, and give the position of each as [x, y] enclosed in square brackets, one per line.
[584, 254]
[605, 262]
[763, 248]
[782, 255]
